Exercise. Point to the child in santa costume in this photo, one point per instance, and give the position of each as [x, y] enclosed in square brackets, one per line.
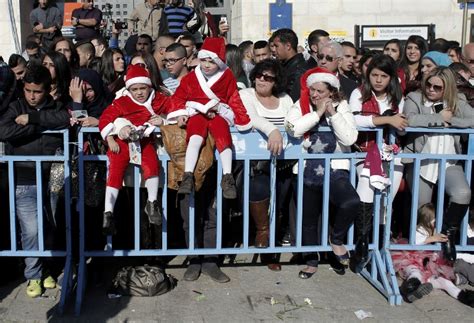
[208, 100]
[126, 125]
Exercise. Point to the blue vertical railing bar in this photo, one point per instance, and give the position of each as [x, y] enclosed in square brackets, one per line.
[299, 204]
[325, 209]
[218, 205]
[11, 177]
[246, 201]
[39, 205]
[273, 209]
[137, 181]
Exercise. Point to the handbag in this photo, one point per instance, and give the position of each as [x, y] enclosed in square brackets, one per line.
[142, 281]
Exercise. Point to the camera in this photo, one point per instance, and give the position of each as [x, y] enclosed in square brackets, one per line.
[120, 25]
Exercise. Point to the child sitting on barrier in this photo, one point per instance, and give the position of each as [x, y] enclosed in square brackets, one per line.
[423, 271]
[126, 125]
[210, 98]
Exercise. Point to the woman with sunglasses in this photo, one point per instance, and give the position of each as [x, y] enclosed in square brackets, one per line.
[113, 69]
[378, 102]
[409, 71]
[321, 104]
[267, 105]
[439, 106]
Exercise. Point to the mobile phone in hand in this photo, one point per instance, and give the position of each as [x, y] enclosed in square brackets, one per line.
[438, 107]
[224, 19]
[79, 114]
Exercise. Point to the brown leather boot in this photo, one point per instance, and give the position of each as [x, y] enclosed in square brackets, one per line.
[259, 213]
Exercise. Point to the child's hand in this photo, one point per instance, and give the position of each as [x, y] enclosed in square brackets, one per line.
[155, 120]
[124, 133]
[211, 114]
[437, 237]
[182, 120]
[113, 145]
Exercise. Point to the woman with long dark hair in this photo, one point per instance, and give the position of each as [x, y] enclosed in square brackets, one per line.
[66, 47]
[234, 59]
[113, 69]
[60, 72]
[378, 102]
[393, 48]
[409, 71]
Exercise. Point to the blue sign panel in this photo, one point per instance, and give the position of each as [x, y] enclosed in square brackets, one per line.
[281, 15]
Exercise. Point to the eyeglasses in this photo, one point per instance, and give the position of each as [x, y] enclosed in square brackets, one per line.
[436, 88]
[328, 58]
[171, 61]
[140, 64]
[266, 77]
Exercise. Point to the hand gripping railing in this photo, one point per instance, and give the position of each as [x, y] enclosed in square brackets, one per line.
[247, 147]
[67, 285]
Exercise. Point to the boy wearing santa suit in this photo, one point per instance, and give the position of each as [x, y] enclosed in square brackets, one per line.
[208, 100]
[137, 110]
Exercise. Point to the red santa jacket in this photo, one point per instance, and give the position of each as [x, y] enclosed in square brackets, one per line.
[137, 113]
[221, 87]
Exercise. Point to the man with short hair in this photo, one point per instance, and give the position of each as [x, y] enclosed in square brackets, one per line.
[159, 54]
[316, 39]
[86, 52]
[144, 44]
[261, 51]
[176, 65]
[87, 20]
[32, 50]
[294, 64]
[146, 17]
[468, 59]
[21, 126]
[246, 48]
[349, 55]
[190, 44]
[329, 57]
[100, 45]
[18, 65]
[46, 21]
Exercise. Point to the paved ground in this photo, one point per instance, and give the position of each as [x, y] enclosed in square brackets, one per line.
[247, 298]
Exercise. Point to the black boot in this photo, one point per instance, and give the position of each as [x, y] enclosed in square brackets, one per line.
[451, 222]
[108, 224]
[363, 226]
[187, 184]
[153, 210]
[412, 289]
[466, 296]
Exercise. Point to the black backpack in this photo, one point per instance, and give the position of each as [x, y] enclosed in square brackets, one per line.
[142, 281]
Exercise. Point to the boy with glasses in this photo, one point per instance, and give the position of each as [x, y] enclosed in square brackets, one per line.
[176, 65]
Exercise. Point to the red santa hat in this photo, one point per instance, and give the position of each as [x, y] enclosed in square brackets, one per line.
[137, 75]
[320, 74]
[373, 169]
[214, 48]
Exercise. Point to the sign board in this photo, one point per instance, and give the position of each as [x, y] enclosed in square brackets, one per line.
[281, 15]
[385, 33]
[68, 8]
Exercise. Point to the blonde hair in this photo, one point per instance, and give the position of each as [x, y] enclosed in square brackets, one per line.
[450, 92]
[426, 214]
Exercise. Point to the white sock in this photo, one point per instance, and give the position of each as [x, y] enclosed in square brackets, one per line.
[226, 160]
[151, 185]
[111, 195]
[446, 285]
[192, 153]
[412, 272]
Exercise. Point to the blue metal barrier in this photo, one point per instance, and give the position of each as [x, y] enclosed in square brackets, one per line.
[247, 147]
[67, 285]
[388, 244]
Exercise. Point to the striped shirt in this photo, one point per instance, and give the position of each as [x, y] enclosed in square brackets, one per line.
[177, 18]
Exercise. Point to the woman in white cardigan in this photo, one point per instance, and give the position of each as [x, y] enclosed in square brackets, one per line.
[321, 105]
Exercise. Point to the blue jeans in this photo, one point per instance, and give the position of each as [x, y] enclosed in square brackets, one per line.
[26, 211]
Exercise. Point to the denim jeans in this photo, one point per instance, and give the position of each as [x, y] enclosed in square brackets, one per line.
[26, 211]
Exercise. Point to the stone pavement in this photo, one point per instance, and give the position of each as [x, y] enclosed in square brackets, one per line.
[254, 294]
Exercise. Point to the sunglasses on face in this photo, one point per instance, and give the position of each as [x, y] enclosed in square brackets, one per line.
[436, 88]
[171, 61]
[266, 77]
[328, 58]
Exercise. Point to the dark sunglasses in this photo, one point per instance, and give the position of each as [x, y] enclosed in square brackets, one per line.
[140, 64]
[328, 58]
[266, 78]
[436, 88]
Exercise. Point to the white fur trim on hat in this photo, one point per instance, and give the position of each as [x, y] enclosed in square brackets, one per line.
[204, 53]
[138, 80]
[329, 78]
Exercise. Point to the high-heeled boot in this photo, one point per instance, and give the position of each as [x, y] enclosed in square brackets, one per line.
[363, 226]
[451, 223]
[259, 212]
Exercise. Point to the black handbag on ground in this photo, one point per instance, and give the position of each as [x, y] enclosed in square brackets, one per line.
[142, 281]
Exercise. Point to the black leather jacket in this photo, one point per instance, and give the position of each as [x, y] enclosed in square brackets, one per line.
[294, 68]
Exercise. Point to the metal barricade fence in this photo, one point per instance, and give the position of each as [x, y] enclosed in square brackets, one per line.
[67, 285]
[247, 147]
[388, 243]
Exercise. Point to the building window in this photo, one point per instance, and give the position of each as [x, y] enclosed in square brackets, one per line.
[125, 13]
[118, 13]
[117, 6]
[124, 6]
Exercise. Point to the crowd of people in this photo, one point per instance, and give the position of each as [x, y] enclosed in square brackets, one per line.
[178, 72]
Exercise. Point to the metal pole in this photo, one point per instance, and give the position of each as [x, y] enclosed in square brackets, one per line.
[464, 23]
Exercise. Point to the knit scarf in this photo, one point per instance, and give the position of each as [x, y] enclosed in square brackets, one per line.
[321, 143]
